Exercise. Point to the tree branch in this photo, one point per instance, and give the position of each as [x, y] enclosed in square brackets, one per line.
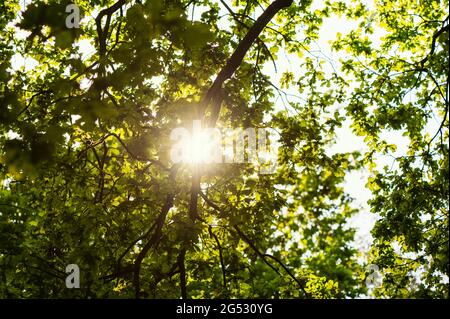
[182, 268]
[436, 35]
[222, 264]
[300, 284]
[102, 31]
[212, 96]
[119, 139]
[234, 15]
[257, 251]
[153, 241]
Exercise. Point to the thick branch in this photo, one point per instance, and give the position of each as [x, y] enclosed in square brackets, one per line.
[212, 97]
[102, 31]
[433, 42]
[261, 42]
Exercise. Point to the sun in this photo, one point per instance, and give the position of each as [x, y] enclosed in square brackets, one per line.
[197, 146]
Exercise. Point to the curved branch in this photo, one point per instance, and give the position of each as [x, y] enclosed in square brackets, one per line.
[147, 233]
[119, 139]
[257, 251]
[213, 94]
[102, 32]
[301, 285]
[234, 15]
[436, 35]
[153, 241]
[252, 246]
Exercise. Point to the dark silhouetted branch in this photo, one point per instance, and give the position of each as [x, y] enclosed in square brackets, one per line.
[213, 96]
[256, 250]
[182, 269]
[436, 35]
[154, 239]
[222, 264]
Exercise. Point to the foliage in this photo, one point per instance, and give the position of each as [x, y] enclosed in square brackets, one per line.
[85, 140]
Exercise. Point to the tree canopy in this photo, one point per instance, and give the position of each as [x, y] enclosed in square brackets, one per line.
[85, 140]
